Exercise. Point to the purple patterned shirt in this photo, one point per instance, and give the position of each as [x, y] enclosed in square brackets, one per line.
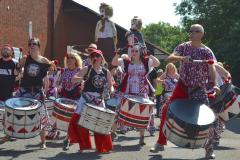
[194, 74]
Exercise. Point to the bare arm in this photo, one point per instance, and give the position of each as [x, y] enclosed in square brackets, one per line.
[80, 75]
[47, 61]
[173, 58]
[96, 31]
[222, 71]
[109, 81]
[155, 61]
[115, 60]
[212, 73]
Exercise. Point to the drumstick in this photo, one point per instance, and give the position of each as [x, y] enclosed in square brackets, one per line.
[212, 95]
[204, 61]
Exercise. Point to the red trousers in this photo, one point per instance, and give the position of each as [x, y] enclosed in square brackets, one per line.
[78, 134]
[178, 93]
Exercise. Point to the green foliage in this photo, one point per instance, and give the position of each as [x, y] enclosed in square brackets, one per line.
[221, 21]
[164, 35]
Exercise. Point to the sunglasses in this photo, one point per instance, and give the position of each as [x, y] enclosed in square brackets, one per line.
[33, 44]
[194, 31]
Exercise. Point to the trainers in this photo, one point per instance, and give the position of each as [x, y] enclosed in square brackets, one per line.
[43, 146]
[66, 144]
[156, 148]
[210, 156]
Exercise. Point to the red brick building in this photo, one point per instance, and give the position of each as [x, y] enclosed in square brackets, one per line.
[57, 23]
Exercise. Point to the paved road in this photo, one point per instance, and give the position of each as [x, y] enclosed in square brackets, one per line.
[125, 148]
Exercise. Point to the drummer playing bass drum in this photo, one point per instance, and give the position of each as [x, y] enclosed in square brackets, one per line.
[192, 81]
[96, 77]
[136, 69]
[35, 70]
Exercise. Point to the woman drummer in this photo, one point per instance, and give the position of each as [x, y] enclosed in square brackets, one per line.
[96, 77]
[135, 81]
[67, 89]
[35, 70]
[72, 66]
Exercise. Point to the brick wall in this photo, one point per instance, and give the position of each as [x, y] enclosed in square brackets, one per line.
[14, 19]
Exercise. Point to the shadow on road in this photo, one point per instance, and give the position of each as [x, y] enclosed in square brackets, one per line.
[132, 148]
[159, 157]
[74, 156]
[233, 124]
[14, 153]
[125, 138]
[48, 144]
[224, 148]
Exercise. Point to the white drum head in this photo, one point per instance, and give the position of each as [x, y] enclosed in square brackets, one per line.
[68, 103]
[22, 103]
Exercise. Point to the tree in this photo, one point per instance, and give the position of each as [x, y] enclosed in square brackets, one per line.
[164, 35]
[221, 21]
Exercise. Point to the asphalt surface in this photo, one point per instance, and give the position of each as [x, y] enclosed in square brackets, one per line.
[125, 148]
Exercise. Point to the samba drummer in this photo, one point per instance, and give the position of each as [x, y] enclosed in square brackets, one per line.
[135, 81]
[8, 75]
[96, 77]
[35, 70]
[192, 81]
[67, 89]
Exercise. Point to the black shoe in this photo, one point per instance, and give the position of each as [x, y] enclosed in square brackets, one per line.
[66, 144]
[141, 141]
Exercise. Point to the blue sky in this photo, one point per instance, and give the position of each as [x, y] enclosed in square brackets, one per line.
[150, 11]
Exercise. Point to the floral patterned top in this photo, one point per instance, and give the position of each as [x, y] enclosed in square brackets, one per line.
[66, 77]
[194, 74]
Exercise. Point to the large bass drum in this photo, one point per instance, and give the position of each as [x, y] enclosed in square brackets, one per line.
[187, 123]
[135, 111]
[22, 117]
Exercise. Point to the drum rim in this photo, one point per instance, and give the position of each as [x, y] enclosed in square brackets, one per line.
[64, 104]
[146, 103]
[38, 104]
[104, 108]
